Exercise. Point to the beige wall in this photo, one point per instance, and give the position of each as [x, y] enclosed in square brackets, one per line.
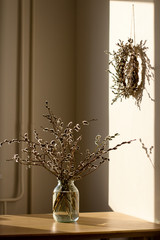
[92, 92]
[65, 64]
[73, 65]
[10, 110]
[53, 79]
[48, 73]
[157, 114]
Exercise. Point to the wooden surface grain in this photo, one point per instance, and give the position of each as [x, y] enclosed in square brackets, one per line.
[90, 225]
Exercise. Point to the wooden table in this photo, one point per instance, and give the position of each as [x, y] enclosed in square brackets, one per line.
[101, 225]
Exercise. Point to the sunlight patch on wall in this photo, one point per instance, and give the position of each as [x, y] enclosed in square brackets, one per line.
[131, 174]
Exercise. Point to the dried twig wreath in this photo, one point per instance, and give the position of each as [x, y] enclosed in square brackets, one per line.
[132, 67]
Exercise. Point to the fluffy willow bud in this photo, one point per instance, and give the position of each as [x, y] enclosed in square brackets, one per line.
[85, 123]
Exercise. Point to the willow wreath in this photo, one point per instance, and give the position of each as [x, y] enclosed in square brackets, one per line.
[132, 68]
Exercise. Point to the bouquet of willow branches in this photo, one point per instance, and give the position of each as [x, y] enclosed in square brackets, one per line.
[58, 155]
[128, 80]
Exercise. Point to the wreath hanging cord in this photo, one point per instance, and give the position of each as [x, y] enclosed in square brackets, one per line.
[133, 25]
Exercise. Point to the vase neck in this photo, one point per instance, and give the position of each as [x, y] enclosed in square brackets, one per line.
[65, 182]
[66, 185]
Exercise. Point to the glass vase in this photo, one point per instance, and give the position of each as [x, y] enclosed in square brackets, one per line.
[66, 202]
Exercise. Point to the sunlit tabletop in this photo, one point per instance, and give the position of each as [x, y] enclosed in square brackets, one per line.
[98, 225]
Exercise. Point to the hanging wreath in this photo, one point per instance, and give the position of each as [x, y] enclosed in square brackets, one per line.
[132, 70]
